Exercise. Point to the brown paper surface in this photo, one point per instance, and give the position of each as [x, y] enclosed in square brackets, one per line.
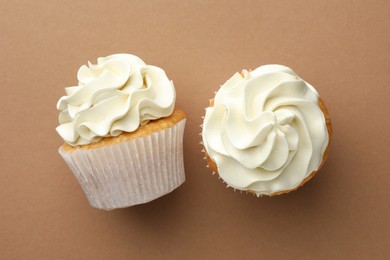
[340, 47]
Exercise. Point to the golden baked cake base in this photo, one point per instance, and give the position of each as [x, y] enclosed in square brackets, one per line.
[144, 130]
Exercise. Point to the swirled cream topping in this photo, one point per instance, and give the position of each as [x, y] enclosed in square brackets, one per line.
[265, 131]
[118, 94]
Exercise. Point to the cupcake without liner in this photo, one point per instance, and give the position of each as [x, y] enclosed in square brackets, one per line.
[266, 131]
[123, 136]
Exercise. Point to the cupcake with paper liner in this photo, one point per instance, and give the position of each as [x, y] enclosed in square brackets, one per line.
[123, 136]
[266, 131]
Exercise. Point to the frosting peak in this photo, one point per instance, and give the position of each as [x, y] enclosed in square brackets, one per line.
[265, 131]
[118, 94]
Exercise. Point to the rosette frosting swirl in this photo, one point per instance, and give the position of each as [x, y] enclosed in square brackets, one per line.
[265, 131]
[118, 94]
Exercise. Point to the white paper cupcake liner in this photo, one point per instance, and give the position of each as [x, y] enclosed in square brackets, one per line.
[132, 172]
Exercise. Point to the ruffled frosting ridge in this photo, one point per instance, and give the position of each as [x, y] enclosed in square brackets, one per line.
[118, 94]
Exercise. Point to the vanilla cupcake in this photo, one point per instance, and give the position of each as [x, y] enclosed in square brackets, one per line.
[266, 131]
[123, 136]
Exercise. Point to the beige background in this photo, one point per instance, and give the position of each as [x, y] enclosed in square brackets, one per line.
[341, 47]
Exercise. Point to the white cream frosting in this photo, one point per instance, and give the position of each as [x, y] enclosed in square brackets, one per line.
[118, 94]
[266, 131]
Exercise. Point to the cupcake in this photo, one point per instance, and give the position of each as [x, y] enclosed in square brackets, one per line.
[266, 131]
[123, 136]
